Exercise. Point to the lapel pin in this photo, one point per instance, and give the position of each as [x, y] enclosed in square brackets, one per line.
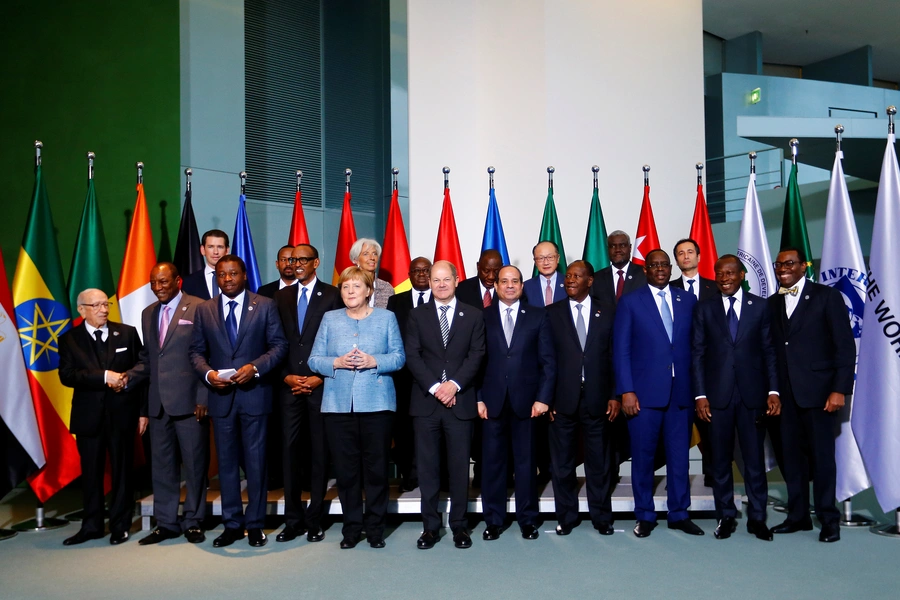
[318, 293]
[597, 314]
[629, 277]
[460, 313]
[806, 297]
[678, 298]
[183, 308]
[749, 302]
[249, 308]
[115, 333]
[523, 311]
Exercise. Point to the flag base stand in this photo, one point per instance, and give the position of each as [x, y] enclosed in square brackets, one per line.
[40, 522]
[5, 534]
[852, 519]
[889, 530]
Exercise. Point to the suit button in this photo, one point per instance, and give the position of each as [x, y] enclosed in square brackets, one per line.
[786, 343]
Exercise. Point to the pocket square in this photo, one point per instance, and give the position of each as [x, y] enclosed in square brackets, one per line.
[185, 322]
[121, 350]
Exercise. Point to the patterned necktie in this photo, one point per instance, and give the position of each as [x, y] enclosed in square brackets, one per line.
[215, 286]
[445, 334]
[487, 298]
[665, 313]
[620, 284]
[732, 319]
[548, 294]
[302, 305]
[421, 299]
[691, 285]
[580, 328]
[231, 322]
[163, 325]
[508, 327]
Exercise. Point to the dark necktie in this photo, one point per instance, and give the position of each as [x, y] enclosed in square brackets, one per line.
[215, 286]
[421, 299]
[620, 284]
[486, 301]
[691, 286]
[732, 319]
[302, 305]
[231, 322]
[99, 345]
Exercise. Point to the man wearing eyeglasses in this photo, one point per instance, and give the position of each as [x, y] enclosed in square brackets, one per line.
[652, 363]
[286, 274]
[93, 359]
[816, 363]
[301, 307]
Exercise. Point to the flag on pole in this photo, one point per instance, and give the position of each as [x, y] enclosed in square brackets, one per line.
[844, 269]
[701, 232]
[42, 316]
[447, 245]
[595, 250]
[346, 239]
[20, 437]
[90, 263]
[550, 232]
[493, 230]
[753, 247]
[395, 250]
[793, 227]
[134, 279]
[298, 233]
[646, 238]
[876, 413]
[242, 245]
[187, 247]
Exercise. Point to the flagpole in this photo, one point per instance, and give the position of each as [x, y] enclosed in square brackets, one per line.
[550, 171]
[187, 179]
[595, 170]
[699, 167]
[299, 175]
[646, 169]
[347, 174]
[446, 171]
[394, 172]
[491, 171]
[243, 177]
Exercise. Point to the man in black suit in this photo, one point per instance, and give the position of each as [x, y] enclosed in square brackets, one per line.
[583, 398]
[301, 308]
[621, 277]
[444, 347]
[93, 359]
[236, 345]
[177, 409]
[404, 450]
[516, 389]
[203, 284]
[479, 291]
[816, 363]
[735, 387]
[286, 275]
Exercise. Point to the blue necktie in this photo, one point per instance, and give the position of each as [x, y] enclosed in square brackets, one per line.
[691, 286]
[665, 313]
[231, 322]
[732, 319]
[302, 305]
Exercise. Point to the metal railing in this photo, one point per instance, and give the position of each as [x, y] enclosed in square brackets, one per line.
[727, 178]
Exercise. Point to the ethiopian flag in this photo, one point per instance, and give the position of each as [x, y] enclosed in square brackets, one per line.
[42, 316]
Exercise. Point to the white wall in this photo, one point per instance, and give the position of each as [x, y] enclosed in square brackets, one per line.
[523, 84]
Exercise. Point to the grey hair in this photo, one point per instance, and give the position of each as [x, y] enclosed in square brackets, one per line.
[356, 248]
[82, 296]
[619, 232]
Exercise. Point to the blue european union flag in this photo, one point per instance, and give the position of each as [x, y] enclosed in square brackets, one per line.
[493, 230]
[242, 245]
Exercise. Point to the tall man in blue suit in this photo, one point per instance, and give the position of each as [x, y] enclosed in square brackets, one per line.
[735, 384]
[517, 388]
[652, 362]
[237, 344]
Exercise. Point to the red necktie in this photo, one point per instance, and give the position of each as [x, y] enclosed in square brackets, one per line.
[487, 298]
[620, 284]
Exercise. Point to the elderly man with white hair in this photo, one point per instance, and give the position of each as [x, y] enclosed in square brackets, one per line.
[365, 253]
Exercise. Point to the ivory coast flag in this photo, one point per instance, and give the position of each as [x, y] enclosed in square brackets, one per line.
[134, 279]
[42, 316]
[395, 250]
[346, 238]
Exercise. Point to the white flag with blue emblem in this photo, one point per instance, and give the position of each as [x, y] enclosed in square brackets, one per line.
[844, 269]
[753, 246]
[876, 414]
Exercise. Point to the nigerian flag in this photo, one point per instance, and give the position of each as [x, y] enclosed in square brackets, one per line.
[595, 250]
[550, 232]
[793, 227]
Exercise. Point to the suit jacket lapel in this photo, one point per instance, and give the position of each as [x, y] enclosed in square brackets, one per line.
[803, 299]
[111, 336]
[315, 297]
[650, 303]
[248, 312]
[173, 319]
[593, 329]
[721, 320]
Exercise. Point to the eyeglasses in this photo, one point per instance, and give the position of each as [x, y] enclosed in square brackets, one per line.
[99, 305]
[421, 271]
[300, 260]
[549, 258]
[659, 265]
[788, 263]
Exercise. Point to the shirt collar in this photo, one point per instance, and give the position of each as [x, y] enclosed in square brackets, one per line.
[239, 298]
[174, 302]
[451, 303]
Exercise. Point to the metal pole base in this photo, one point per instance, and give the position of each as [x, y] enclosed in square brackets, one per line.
[888, 530]
[46, 524]
[6, 534]
[856, 520]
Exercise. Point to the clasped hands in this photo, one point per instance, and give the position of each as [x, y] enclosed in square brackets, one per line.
[301, 384]
[116, 381]
[355, 360]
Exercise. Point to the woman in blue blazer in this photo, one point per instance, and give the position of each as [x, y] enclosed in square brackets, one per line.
[355, 350]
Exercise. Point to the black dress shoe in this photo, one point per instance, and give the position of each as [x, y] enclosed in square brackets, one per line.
[725, 527]
[830, 533]
[789, 526]
[195, 535]
[491, 533]
[289, 533]
[315, 535]
[687, 526]
[228, 537]
[759, 529]
[376, 542]
[605, 528]
[81, 537]
[349, 542]
[409, 484]
[158, 535]
[643, 528]
[427, 540]
[118, 537]
[257, 537]
[529, 532]
[461, 538]
[564, 529]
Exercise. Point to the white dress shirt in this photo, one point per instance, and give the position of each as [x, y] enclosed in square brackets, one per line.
[450, 314]
[309, 289]
[790, 302]
[615, 275]
[585, 312]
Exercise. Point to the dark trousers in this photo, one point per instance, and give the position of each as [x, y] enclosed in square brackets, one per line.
[807, 438]
[404, 450]
[647, 429]
[599, 469]
[116, 435]
[737, 418]
[236, 432]
[498, 434]
[305, 448]
[359, 444]
[169, 437]
[457, 434]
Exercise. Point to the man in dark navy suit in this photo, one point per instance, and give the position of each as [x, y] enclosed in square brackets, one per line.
[547, 287]
[622, 276]
[286, 275]
[479, 291]
[203, 283]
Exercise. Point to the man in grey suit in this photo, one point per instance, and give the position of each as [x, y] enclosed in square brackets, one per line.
[177, 409]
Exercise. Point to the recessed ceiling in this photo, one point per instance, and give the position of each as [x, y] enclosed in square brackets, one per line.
[800, 32]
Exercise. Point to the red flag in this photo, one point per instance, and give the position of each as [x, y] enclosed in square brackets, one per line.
[701, 232]
[646, 238]
[395, 250]
[447, 247]
[346, 238]
[298, 233]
